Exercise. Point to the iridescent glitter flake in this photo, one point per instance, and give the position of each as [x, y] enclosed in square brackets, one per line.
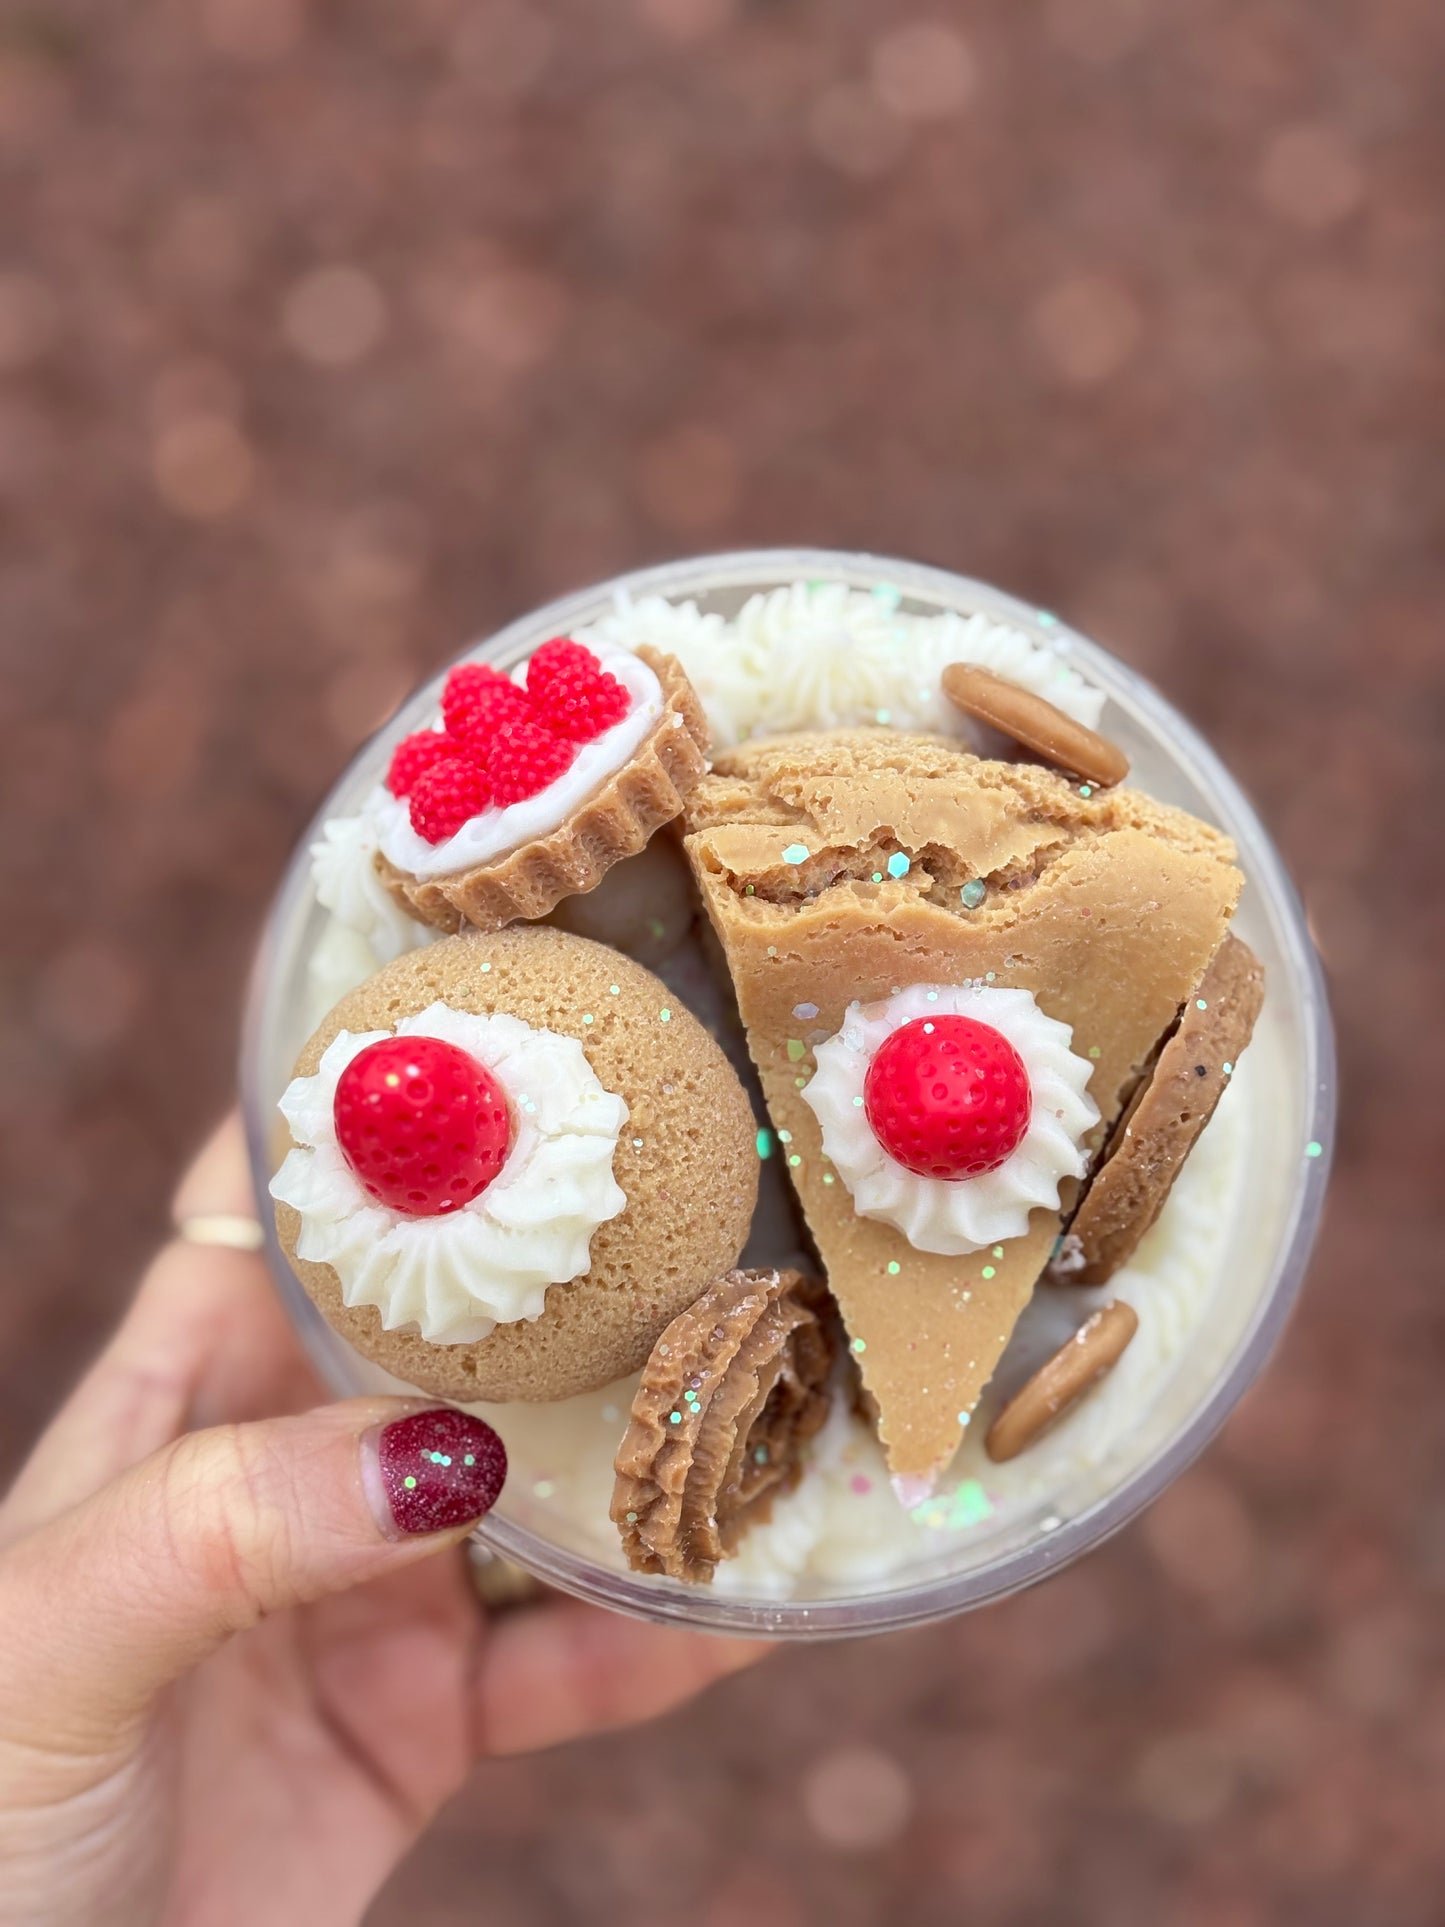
[765, 1144]
[803, 1012]
[893, 1267]
[898, 864]
[796, 1049]
[796, 853]
[973, 893]
[1314, 1149]
[969, 1505]
[664, 1016]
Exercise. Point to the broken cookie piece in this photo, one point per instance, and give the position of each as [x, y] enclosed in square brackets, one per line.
[734, 1389]
[1161, 1125]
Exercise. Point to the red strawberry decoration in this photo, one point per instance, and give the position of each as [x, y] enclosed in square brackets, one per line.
[424, 1126]
[451, 792]
[413, 755]
[525, 758]
[477, 701]
[500, 743]
[572, 693]
[948, 1097]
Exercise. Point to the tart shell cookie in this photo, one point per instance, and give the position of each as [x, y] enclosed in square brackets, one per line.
[686, 1161]
[734, 1389]
[1158, 1130]
[614, 822]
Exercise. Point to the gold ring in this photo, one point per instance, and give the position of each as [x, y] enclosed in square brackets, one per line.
[222, 1228]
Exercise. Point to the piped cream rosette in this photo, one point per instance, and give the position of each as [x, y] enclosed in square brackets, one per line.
[456, 1277]
[955, 1216]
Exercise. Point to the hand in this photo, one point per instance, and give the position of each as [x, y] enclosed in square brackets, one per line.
[231, 1690]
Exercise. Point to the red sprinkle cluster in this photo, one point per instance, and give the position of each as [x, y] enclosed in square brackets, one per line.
[500, 743]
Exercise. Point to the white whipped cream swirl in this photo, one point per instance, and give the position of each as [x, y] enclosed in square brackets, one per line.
[455, 1277]
[824, 656]
[959, 1215]
[349, 885]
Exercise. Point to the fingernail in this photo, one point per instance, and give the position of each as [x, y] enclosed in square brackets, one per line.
[438, 1469]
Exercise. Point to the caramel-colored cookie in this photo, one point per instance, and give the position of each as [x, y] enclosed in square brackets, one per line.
[686, 1161]
[735, 1387]
[1057, 1386]
[1035, 722]
[1159, 1128]
[614, 822]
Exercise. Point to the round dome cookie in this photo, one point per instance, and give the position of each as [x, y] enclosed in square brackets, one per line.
[629, 1185]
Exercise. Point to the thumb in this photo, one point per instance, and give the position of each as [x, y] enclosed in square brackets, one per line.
[106, 1605]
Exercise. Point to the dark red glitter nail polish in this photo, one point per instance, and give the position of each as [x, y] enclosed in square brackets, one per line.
[439, 1469]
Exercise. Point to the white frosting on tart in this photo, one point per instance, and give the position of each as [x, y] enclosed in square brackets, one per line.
[824, 656]
[455, 1277]
[493, 832]
[954, 1216]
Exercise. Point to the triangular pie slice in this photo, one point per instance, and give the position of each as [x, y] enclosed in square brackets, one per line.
[848, 865]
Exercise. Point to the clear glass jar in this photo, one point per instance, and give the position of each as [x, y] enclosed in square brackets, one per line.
[1261, 1259]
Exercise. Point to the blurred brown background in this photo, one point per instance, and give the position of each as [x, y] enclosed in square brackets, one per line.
[335, 331]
